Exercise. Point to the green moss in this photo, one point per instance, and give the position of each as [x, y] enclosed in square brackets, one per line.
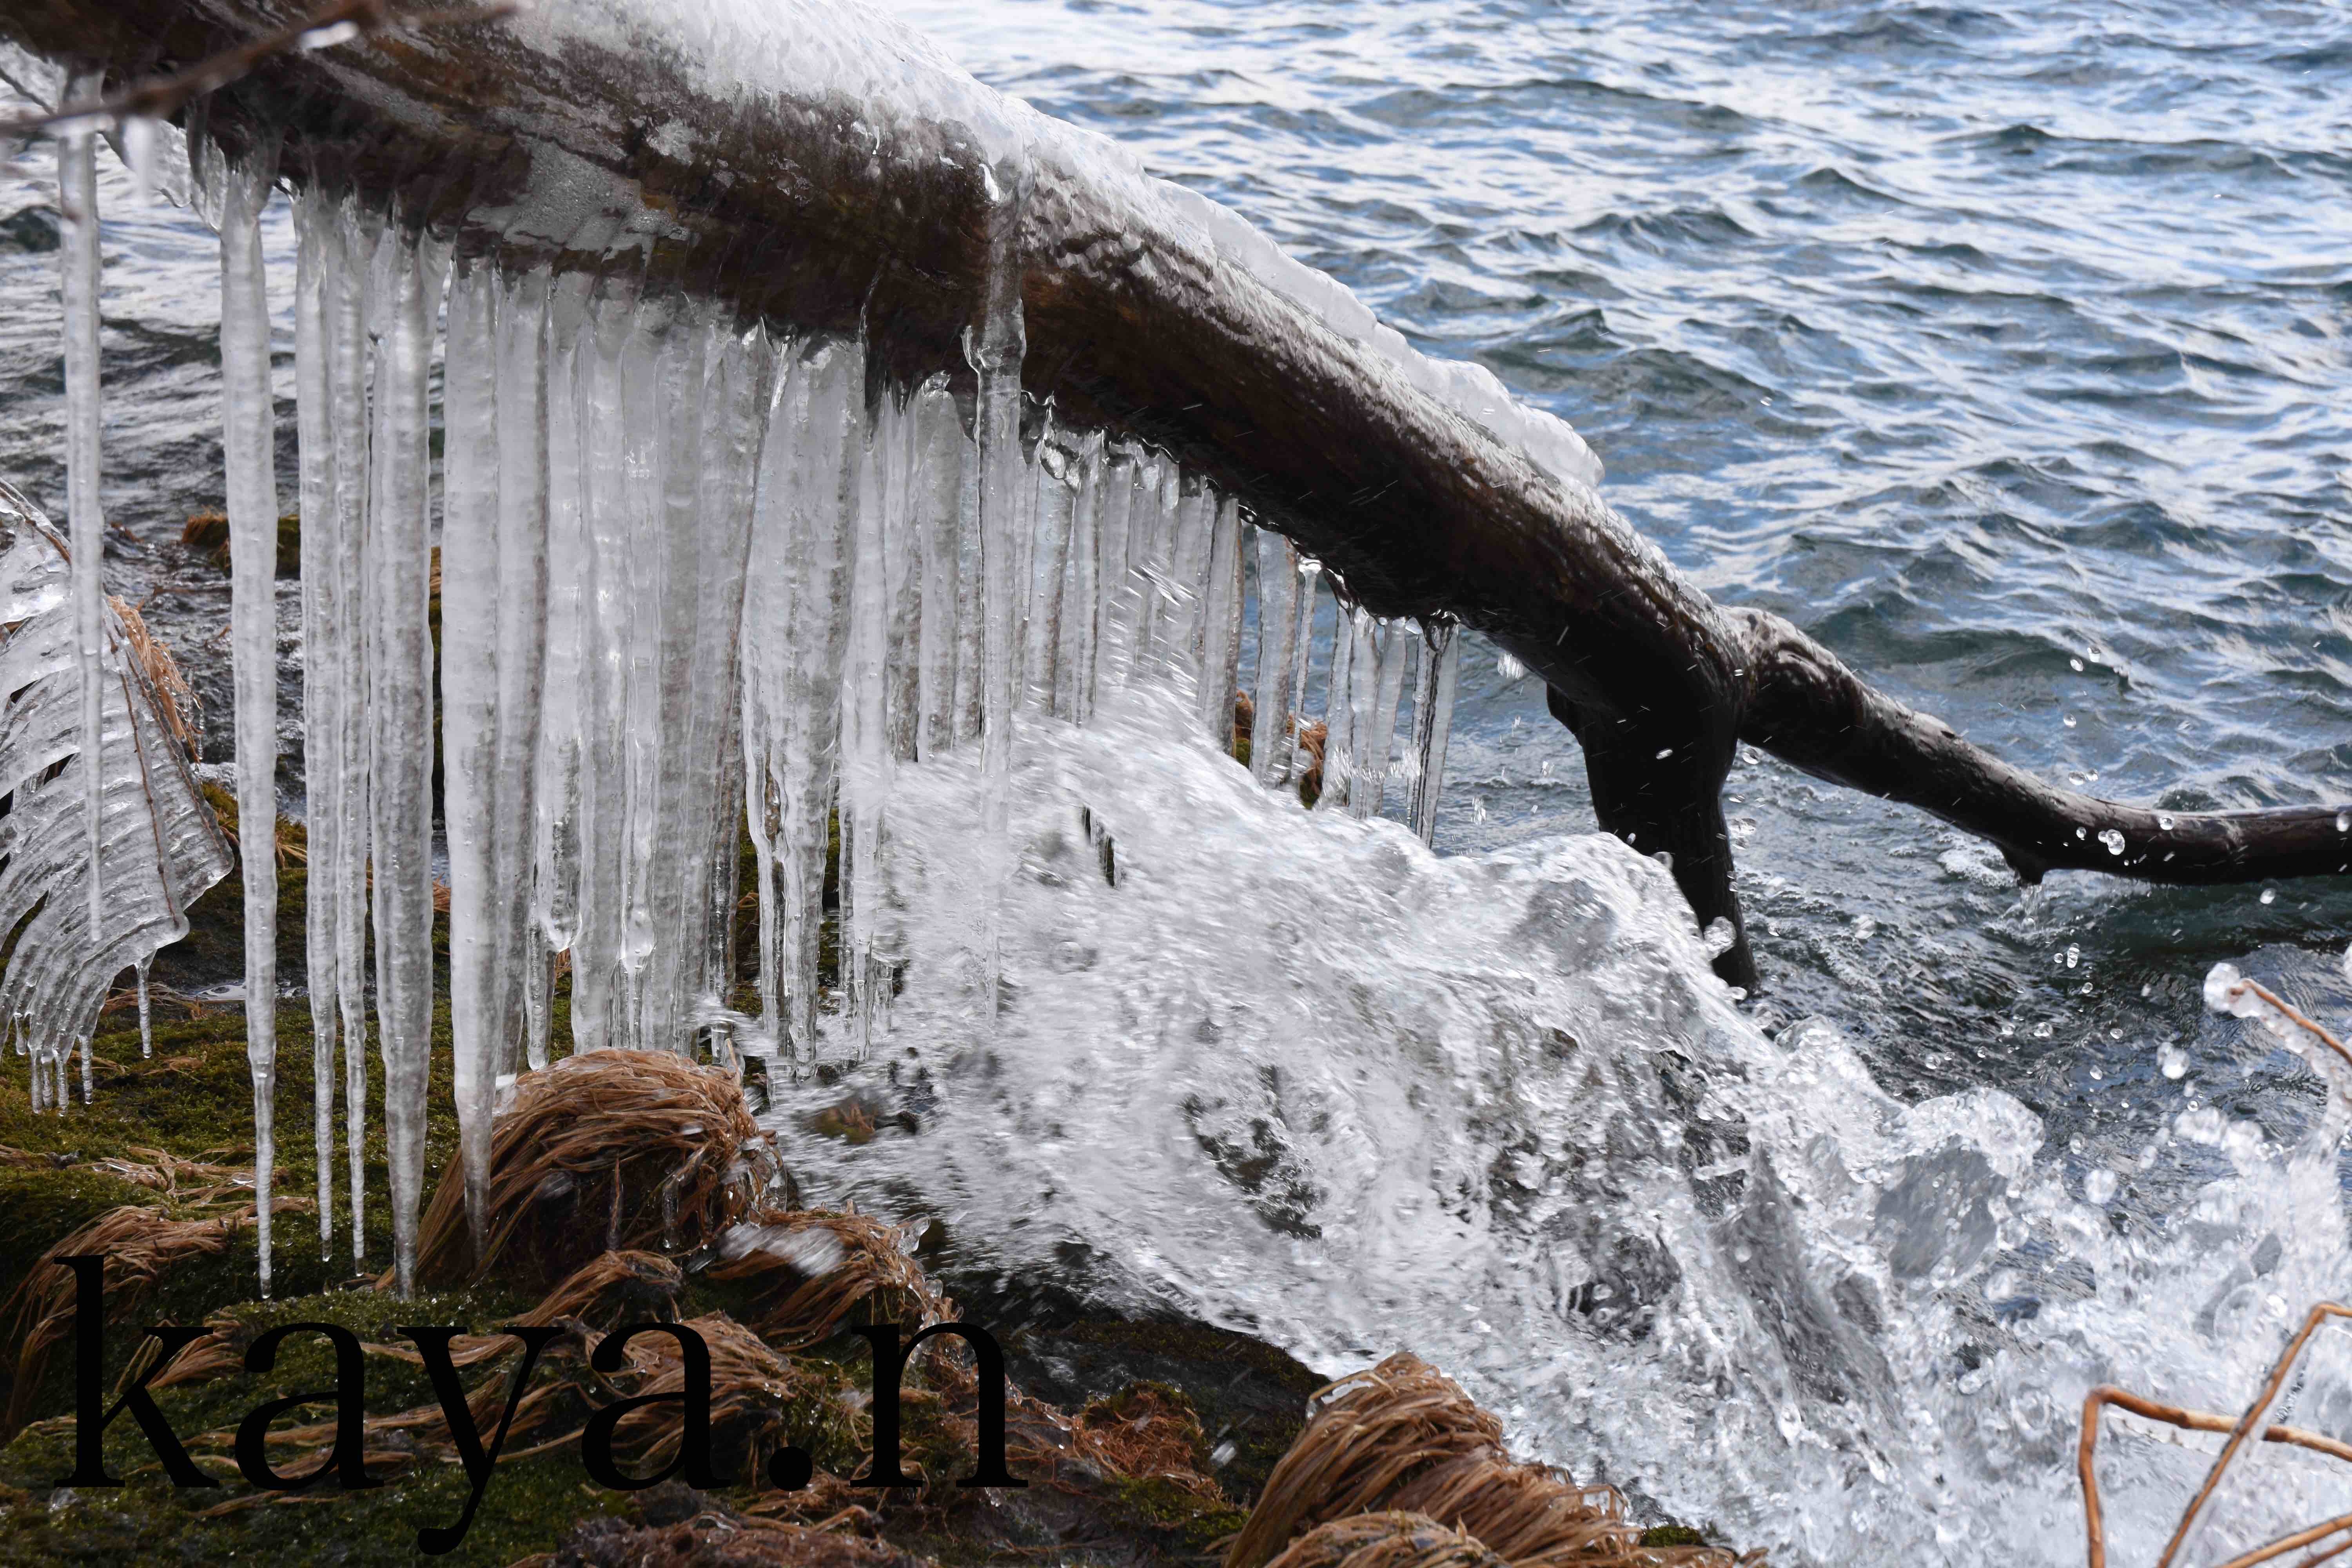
[1160, 1505]
[1672, 1535]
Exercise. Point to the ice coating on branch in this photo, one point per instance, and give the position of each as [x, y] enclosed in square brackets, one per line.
[159, 847]
[899, 78]
[250, 443]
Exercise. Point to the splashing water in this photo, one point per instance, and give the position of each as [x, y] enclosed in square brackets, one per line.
[1291, 1072]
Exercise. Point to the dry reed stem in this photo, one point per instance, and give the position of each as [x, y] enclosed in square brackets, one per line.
[138, 1245]
[818, 1268]
[2239, 1429]
[1403, 1435]
[183, 714]
[606, 1151]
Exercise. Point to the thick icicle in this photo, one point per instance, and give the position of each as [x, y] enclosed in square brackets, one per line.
[1221, 625]
[866, 752]
[522, 612]
[556, 805]
[1081, 593]
[1398, 650]
[1117, 601]
[794, 629]
[1339, 711]
[1302, 645]
[904, 555]
[1278, 631]
[400, 707]
[1184, 608]
[78, 259]
[350, 799]
[1003, 520]
[1049, 563]
[318, 257]
[470, 595]
[250, 442]
[1433, 722]
[936, 507]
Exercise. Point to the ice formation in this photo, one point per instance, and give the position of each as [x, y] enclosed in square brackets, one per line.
[700, 576]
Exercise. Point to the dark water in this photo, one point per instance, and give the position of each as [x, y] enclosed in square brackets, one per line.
[2003, 349]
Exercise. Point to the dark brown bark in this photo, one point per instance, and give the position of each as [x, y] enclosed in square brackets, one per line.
[820, 212]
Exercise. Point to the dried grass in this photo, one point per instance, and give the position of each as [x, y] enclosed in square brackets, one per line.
[717, 1541]
[1146, 1433]
[610, 1151]
[1403, 1436]
[183, 714]
[139, 1245]
[1391, 1538]
[820, 1272]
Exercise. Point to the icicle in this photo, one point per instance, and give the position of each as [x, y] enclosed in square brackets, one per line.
[1396, 652]
[88, 1088]
[146, 1015]
[317, 255]
[521, 643]
[556, 805]
[78, 258]
[250, 442]
[1116, 601]
[1302, 647]
[1003, 526]
[904, 554]
[1049, 563]
[1151, 541]
[351, 247]
[970, 658]
[1278, 631]
[794, 631]
[1184, 607]
[1081, 592]
[1221, 625]
[471, 592]
[1339, 710]
[1433, 722]
[937, 504]
[400, 707]
[864, 739]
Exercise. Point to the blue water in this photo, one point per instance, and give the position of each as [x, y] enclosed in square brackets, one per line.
[2003, 349]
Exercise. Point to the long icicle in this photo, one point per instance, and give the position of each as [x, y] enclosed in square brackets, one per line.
[1221, 625]
[249, 441]
[1277, 630]
[318, 255]
[939, 447]
[78, 258]
[1004, 517]
[555, 811]
[1433, 722]
[1395, 650]
[400, 701]
[470, 596]
[347, 526]
[522, 635]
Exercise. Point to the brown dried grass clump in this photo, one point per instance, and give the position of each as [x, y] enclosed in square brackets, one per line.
[1394, 1538]
[607, 1152]
[712, 1540]
[183, 714]
[820, 1272]
[139, 1245]
[1403, 1436]
[1147, 1432]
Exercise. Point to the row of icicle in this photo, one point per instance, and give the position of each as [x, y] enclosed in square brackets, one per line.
[667, 542]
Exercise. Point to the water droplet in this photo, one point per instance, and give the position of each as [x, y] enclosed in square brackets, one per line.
[2076, 665]
[1664, 751]
[2099, 1186]
[2270, 895]
[2164, 820]
[2068, 721]
[2344, 822]
[1719, 936]
[2082, 833]
[2073, 956]
[1511, 668]
[2113, 840]
[2222, 986]
[2173, 1060]
[2042, 1031]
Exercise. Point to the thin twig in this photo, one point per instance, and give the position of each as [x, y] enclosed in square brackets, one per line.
[162, 97]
